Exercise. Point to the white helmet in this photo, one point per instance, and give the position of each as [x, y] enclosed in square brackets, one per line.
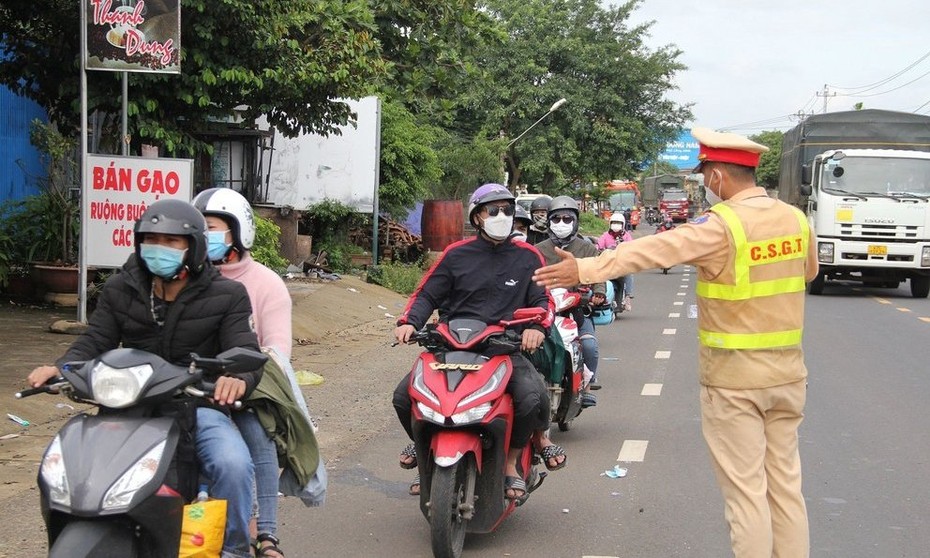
[618, 217]
[232, 207]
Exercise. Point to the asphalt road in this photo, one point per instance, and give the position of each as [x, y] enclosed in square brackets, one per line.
[865, 447]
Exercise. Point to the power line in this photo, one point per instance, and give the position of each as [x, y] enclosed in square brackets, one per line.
[922, 106]
[890, 90]
[869, 87]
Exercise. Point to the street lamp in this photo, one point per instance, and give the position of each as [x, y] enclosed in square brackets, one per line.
[555, 106]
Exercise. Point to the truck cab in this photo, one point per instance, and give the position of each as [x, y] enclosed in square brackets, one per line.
[674, 203]
[870, 209]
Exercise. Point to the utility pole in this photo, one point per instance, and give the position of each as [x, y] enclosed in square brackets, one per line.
[826, 94]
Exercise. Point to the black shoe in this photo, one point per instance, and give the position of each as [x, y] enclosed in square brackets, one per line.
[594, 386]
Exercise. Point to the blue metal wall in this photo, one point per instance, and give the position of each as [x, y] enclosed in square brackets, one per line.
[15, 115]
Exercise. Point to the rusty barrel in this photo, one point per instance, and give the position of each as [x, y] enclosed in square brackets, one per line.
[442, 223]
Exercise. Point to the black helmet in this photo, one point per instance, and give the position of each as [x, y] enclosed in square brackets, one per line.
[486, 194]
[521, 214]
[178, 218]
[540, 203]
[563, 202]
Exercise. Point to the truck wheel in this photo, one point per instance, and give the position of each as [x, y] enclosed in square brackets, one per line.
[920, 286]
[815, 287]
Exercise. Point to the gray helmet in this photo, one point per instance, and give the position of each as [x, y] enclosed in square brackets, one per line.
[563, 202]
[521, 214]
[540, 204]
[486, 194]
[175, 217]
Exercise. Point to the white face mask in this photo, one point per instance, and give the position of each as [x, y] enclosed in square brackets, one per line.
[561, 230]
[709, 195]
[616, 227]
[498, 227]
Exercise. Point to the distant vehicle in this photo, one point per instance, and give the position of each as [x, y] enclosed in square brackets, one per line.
[675, 204]
[863, 179]
[625, 198]
[653, 186]
[526, 199]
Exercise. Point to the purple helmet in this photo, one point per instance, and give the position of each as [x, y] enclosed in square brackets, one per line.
[487, 193]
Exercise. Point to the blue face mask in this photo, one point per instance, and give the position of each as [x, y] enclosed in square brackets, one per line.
[217, 249]
[163, 261]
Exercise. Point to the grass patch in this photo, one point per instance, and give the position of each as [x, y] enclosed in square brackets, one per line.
[591, 225]
[399, 277]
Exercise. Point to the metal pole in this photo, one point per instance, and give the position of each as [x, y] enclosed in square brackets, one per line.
[125, 136]
[374, 208]
[85, 210]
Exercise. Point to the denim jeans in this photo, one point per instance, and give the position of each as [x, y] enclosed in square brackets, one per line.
[590, 352]
[224, 459]
[628, 285]
[265, 458]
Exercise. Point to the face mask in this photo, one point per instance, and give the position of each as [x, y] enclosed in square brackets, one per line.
[561, 230]
[709, 195]
[616, 227]
[518, 235]
[163, 261]
[217, 249]
[498, 227]
[540, 221]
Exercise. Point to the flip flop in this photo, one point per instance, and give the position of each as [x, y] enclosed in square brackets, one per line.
[409, 451]
[516, 484]
[414, 484]
[552, 451]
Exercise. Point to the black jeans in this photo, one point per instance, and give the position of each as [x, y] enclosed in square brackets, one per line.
[526, 387]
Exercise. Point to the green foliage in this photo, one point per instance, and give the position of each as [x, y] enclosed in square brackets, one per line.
[767, 172]
[465, 165]
[329, 221]
[591, 225]
[399, 277]
[289, 61]
[267, 245]
[409, 164]
[339, 255]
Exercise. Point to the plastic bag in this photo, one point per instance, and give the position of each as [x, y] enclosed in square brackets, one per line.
[202, 529]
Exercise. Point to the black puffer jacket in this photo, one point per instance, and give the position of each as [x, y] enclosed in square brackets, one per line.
[211, 314]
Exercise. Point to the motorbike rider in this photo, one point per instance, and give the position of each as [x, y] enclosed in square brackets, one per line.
[231, 234]
[170, 301]
[521, 223]
[615, 234]
[487, 278]
[563, 218]
[539, 211]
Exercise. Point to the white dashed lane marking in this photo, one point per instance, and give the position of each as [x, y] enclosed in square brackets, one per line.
[669, 331]
[678, 303]
[674, 315]
[663, 354]
[652, 389]
[633, 450]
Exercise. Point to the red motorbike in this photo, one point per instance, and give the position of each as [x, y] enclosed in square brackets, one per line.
[462, 421]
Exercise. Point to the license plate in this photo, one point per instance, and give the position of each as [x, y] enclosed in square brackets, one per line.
[878, 250]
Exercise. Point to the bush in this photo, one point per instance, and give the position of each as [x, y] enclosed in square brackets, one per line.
[592, 225]
[266, 248]
[400, 278]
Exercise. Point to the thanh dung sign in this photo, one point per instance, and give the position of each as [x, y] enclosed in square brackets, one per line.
[133, 35]
[117, 191]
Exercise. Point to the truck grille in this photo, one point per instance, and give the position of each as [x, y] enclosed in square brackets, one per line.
[886, 233]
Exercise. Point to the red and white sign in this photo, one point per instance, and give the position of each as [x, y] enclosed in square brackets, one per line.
[117, 191]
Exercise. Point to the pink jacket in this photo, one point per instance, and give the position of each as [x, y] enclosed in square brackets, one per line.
[607, 240]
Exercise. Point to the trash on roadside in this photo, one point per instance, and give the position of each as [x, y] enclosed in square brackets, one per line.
[9, 436]
[617, 472]
[610, 358]
[382, 307]
[564, 510]
[307, 378]
[63, 406]
[389, 315]
[17, 420]
[352, 289]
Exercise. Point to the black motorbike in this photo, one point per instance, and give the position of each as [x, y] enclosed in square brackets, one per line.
[114, 483]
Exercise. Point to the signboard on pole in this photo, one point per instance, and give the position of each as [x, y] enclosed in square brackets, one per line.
[118, 189]
[682, 152]
[133, 35]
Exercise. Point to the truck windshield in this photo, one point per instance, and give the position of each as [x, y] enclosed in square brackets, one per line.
[622, 201]
[878, 176]
[673, 195]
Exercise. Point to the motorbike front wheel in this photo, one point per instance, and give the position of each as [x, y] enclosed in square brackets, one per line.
[451, 494]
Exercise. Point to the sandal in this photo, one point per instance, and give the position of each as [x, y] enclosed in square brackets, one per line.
[264, 550]
[409, 451]
[553, 451]
[414, 489]
[516, 484]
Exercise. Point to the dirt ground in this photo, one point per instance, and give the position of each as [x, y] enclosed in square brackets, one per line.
[342, 331]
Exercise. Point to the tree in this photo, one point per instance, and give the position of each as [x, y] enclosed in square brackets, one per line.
[767, 171]
[289, 61]
[617, 115]
[409, 164]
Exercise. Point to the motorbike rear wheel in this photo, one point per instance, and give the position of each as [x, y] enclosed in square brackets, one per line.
[449, 497]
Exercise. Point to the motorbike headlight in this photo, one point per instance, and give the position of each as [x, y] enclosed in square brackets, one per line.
[419, 383]
[142, 471]
[825, 252]
[54, 474]
[475, 414]
[118, 387]
[492, 384]
[431, 414]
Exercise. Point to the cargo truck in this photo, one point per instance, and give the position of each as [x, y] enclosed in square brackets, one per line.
[654, 185]
[863, 179]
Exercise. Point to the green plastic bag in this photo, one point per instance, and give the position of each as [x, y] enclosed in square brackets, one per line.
[549, 359]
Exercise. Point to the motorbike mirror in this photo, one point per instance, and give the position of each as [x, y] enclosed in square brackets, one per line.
[234, 360]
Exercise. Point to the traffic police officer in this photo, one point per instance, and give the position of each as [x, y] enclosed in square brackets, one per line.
[753, 255]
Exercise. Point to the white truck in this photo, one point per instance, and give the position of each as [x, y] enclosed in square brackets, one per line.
[863, 178]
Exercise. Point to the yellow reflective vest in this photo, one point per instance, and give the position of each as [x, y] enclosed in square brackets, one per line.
[745, 307]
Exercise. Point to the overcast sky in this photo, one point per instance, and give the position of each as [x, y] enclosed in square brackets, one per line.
[752, 63]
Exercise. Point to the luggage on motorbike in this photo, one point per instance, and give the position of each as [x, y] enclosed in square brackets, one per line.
[549, 359]
[202, 529]
[604, 314]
